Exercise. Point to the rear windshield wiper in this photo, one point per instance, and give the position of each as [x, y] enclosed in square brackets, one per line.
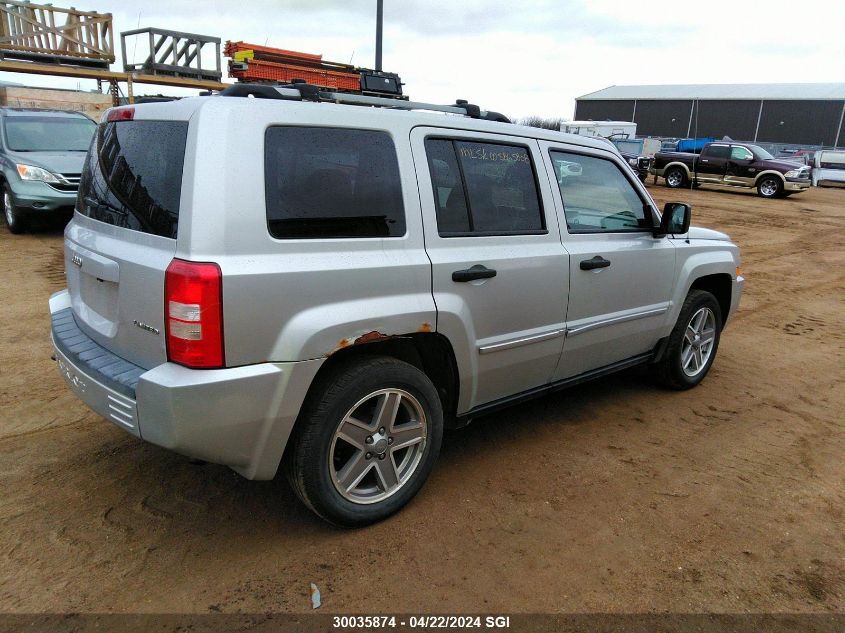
[101, 204]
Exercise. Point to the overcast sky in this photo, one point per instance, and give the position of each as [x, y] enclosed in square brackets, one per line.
[519, 57]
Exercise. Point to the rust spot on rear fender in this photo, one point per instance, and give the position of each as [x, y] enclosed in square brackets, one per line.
[369, 337]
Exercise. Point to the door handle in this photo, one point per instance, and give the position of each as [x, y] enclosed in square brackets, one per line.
[596, 262]
[705, 160]
[475, 272]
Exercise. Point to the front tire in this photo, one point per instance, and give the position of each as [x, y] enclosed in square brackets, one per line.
[675, 177]
[769, 187]
[16, 220]
[366, 441]
[692, 345]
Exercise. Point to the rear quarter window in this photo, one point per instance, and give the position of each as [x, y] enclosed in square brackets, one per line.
[332, 183]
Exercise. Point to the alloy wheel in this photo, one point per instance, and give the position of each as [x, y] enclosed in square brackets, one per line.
[699, 337]
[674, 178]
[768, 187]
[377, 446]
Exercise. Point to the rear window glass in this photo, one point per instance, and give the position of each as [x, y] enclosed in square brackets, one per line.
[133, 175]
[332, 183]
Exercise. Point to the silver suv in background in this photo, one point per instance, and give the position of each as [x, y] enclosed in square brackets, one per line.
[41, 158]
[324, 286]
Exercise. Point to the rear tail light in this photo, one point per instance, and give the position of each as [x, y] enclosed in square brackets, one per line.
[193, 311]
[120, 114]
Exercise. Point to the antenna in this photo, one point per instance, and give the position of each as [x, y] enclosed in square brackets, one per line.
[379, 29]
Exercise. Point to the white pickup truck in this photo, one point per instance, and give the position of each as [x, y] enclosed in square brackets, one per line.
[828, 167]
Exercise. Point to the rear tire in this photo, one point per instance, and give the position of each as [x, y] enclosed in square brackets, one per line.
[769, 187]
[366, 441]
[16, 219]
[675, 177]
[693, 343]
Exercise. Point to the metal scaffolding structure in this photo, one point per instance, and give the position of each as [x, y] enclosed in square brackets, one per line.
[173, 53]
[44, 33]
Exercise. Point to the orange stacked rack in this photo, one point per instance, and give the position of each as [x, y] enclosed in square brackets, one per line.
[254, 63]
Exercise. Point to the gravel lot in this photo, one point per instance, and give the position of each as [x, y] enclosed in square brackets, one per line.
[613, 497]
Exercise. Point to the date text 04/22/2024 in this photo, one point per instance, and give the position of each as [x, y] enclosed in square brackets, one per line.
[422, 622]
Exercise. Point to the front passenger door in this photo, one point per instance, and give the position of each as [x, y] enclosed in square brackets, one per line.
[740, 170]
[621, 276]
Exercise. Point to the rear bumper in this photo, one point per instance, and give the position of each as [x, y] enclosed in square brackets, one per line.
[241, 417]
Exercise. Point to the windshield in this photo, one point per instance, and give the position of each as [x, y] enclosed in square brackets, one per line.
[48, 134]
[759, 152]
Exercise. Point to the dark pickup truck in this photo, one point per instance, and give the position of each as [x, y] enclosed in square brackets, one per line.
[639, 164]
[733, 164]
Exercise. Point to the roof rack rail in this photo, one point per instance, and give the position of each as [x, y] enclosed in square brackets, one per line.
[307, 92]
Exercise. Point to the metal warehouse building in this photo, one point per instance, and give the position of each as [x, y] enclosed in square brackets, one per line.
[809, 114]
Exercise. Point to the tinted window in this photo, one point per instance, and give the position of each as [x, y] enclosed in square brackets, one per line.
[449, 196]
[740, 153]
[597, 196]
[483, 188]
[49, 134]
[327, 182]
[718, 151]
[133, 175]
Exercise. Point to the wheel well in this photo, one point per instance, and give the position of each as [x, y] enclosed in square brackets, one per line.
[769, 173]
[681, 166]
[429, 352]
[719, 285]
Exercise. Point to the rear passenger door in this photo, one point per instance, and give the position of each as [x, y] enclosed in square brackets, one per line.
[500, 273]
[712, 163]
[621, 276]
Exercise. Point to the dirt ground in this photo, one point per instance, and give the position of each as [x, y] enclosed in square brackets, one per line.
[613, 497]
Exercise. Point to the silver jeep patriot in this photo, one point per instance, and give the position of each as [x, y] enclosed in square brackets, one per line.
[302, 281]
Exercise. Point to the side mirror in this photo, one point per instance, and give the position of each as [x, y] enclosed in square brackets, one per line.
[675, 219]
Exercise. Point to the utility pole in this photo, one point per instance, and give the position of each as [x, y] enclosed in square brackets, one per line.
[379, 21]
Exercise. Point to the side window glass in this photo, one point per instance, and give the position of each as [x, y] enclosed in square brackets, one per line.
[501, 188]
[449, 197]
[332, 183]
[483, 188]
[718, 151]
[740, 153]
[597, 196]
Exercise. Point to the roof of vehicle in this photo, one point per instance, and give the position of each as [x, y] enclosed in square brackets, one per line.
[185, 108]
[13, 112]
